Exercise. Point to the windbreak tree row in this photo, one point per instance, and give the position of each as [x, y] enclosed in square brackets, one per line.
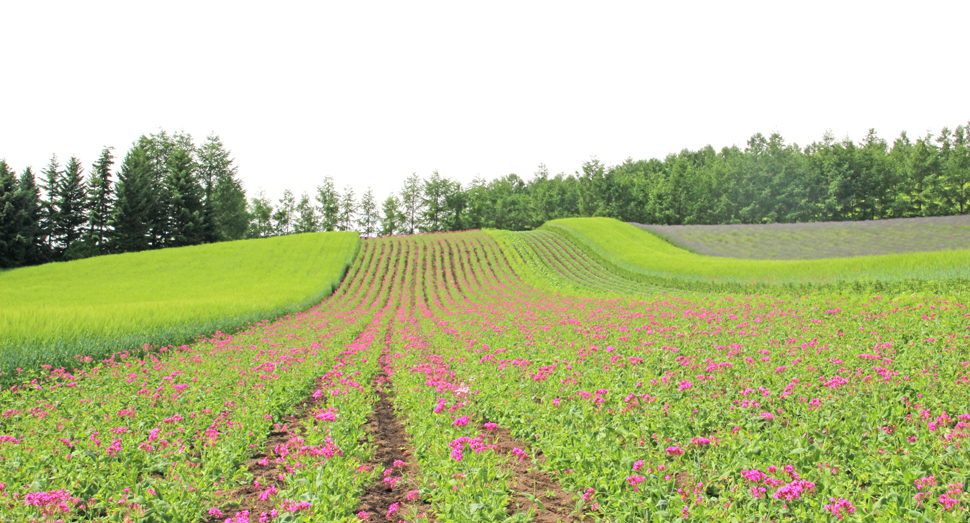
[168, 193]
[768, 181]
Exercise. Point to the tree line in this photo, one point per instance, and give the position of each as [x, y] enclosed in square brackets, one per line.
[768, 181]
[169, 192]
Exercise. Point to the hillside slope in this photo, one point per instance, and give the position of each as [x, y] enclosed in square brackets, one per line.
[54, 312]
[640, 252]
[817, 240]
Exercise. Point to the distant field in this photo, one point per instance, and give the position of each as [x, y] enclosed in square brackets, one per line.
[811, 241]
[642, 252]
[54, 312]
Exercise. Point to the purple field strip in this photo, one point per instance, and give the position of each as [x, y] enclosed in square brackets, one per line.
[807, 241]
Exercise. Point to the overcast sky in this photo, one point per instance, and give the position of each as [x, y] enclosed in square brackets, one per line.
[370, 92]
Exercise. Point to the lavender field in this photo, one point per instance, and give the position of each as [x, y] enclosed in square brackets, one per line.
[809, 241]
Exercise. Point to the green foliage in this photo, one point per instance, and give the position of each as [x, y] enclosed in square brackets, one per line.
[71, 206]
[329, 200]
[391, 217]
[56, 312]
[100, 200]
[11, 242]
[131, 216]
[644, 257]
[184, 213]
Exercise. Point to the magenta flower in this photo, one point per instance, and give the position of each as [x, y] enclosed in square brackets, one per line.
[674, 451]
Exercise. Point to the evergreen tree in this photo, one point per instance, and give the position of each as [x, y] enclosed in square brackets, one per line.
[11, 220]
[411, 204]
[307, 219]
[224, 200]
[130, 223]
[348, 210]
[455, 203]
[158, 148]
[283, 218]
[958, 169]
[71, 207]
[391, 216]
[261, 216]
[100, 200]
[184, 201]
[368, 219]
[433, 194]
[329, 201]
[30, 229]
[49, 216]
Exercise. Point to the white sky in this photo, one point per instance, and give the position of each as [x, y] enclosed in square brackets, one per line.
[369, 92]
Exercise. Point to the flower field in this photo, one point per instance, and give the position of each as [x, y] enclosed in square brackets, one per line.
[529, 382]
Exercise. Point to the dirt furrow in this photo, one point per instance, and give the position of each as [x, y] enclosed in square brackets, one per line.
[393, 458]
[533, 490]
[253, 498]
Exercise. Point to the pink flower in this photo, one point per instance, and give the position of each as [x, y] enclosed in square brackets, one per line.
[686, 384]
[638, 465]
[588, 495]
[674, 451]
[700, 441]
[461, 422]
[363, 515]
[391, 510]
[413, 495]
[837, 507]
[491, 426]
[215, 512]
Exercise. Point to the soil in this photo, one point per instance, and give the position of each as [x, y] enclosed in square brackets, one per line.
[528, 482]
[246, 497]
[387, 433]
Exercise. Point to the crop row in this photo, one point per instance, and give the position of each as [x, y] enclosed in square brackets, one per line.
[726, 407]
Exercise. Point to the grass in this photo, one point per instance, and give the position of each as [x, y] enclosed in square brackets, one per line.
[809, 241]
[53, 313]
[638, 252]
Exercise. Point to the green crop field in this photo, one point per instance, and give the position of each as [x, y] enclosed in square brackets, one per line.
[815, 240]
[642, 252]
[586, 371]
[53, 313]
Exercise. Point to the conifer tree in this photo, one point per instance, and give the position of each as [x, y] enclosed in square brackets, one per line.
[11, 240]
[71, 205]
[261, 216]
[283, 217]
[100, 200]
[49, 215]
[130, 218]
[368, 219]
[223, 198]
[158, 148]
[184, 201]
[307, 219]
[411, 204]
[391, 216]
[30, 229]
[329, 201]
[348, 210]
